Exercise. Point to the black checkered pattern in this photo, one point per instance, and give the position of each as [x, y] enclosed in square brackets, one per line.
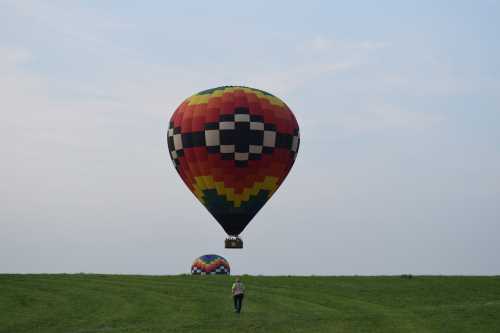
[196, 270]
[218, 271]
[239, 137]
[221, 270]
[295, 143]
[174, 141]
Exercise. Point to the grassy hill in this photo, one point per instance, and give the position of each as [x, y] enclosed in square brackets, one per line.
[108, 303]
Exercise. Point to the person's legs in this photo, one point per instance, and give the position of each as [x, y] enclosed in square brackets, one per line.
[237, 303]
[239, 299]
[235, 299]
[241, 303]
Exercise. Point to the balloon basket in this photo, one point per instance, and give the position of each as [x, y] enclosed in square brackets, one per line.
[233, 243]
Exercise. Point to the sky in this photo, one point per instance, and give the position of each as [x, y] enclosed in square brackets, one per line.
[398, 105]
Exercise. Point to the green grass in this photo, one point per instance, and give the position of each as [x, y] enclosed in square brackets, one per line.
[110, 303]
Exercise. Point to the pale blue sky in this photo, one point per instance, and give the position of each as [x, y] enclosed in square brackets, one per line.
[398, 103]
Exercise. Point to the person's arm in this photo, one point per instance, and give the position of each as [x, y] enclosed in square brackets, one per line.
[232, 288]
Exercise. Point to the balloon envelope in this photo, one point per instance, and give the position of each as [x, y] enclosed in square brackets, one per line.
[210, 264]
[233, 147]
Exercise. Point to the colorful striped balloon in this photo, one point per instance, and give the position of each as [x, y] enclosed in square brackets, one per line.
[233, 147]
[210, 264]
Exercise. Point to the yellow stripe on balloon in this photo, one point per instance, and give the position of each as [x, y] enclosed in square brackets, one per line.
[273, 100]
[204, 98]
[203, 183]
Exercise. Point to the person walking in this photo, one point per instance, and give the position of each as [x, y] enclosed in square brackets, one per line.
[238, 291]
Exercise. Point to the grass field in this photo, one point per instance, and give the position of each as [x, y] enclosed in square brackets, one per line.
[111, 303]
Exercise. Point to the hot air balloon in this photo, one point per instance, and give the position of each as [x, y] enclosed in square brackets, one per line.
[210, 264]
[233, 146]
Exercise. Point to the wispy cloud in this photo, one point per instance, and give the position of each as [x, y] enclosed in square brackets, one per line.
[13, 56]
[321, 43]
[384, 117]
[289, 79]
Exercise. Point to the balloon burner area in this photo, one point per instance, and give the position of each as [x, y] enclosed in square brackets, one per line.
[233, 243]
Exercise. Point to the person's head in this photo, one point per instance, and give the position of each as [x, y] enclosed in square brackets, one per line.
[237, 279]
